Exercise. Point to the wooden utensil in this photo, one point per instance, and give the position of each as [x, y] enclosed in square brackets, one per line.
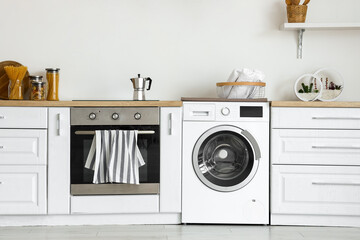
[288, 2]
[295, 2]
[4, 79]
[306, 2]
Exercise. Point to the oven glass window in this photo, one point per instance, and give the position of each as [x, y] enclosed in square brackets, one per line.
[149, 146]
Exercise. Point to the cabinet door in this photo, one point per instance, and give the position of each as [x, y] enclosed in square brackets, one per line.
[170, 159]
[315, 147]
[59, 161]
[23, 117]
[22, 190]
[315, 190]
[23, 146]
[317, 118]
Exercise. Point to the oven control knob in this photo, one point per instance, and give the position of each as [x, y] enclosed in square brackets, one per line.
[225, 111]
[115, 116]
[137, 116]
[92, 116]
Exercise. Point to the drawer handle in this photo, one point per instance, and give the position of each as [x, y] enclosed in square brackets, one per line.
[334, 147]
[336, 118]
[335, 184]
[1, 147]
[200, 113]
[2, 117]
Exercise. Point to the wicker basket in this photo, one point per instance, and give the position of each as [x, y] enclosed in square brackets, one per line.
[241, 90]
[296, 13]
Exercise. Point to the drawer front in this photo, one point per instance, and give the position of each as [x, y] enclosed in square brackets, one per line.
[22, 190]
[23, 117]
[115, 204]
[320, 118]
[199, 112]
[319, 147]
[315, 190]
[23, 146]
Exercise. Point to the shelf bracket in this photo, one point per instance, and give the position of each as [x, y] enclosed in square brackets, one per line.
[300, 43]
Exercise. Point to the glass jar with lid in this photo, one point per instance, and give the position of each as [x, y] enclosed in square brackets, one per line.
[52, 76]
[38, 89]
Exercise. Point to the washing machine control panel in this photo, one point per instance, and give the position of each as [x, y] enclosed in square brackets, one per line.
[226, 111]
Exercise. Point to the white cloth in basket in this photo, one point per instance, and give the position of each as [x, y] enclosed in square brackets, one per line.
[243, 75]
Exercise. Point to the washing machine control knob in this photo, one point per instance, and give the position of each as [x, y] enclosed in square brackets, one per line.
[225, 111]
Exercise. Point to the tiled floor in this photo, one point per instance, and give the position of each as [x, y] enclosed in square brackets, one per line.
[179, 232]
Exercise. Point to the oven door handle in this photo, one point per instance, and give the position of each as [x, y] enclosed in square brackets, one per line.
[93, 132]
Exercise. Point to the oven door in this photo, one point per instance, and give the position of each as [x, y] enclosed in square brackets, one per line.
[149, 174]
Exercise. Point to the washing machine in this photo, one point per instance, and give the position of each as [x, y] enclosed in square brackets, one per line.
[225, 163]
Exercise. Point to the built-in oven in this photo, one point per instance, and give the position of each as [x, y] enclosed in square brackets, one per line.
[84, 123]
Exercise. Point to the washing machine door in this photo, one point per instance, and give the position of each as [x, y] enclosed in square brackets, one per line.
[226, 158]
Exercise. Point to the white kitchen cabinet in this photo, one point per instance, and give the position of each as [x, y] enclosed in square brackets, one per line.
[59, 161]
[23, 160]
[23, 117]
[315, 173]
[322, 190]
[170, 159]
[103, 204]
[315, 118]
[22, 190]
[315, 147]
[23, 146]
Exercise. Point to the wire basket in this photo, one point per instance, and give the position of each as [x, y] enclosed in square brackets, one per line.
[241, 90]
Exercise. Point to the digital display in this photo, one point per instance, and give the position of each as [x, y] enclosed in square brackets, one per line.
[250, 111]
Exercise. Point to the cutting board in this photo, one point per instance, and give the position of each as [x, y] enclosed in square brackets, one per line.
[4, 79]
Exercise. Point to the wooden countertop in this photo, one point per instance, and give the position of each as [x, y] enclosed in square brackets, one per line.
[28, 103]
[315, 104]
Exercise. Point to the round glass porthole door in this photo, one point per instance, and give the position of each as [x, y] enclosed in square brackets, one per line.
[226, 158]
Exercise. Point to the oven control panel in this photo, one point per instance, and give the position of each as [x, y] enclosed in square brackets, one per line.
[115, 116]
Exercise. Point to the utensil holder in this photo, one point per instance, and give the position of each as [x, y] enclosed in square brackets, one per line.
[296, 13]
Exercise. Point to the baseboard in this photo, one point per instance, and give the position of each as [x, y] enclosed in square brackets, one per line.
[118, 219]
[315, 220]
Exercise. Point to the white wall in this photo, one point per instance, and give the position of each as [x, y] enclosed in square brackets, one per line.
[185, 46]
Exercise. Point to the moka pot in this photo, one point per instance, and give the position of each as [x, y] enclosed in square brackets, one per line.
[139, 85]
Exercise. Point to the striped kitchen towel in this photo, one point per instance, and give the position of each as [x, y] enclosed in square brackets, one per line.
[115, 157]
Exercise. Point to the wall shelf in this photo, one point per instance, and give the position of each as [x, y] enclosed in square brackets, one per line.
[301, 27]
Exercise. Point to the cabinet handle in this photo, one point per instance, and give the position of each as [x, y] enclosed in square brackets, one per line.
[336, 183]
[334, 147]
[1, 147]
[58, 123]
[170, 123]
[336, 118]
[1, 183]
[2, 117]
